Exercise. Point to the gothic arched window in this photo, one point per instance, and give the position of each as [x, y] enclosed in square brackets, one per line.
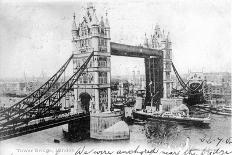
[102, 77]
[88, 30]
[85, 78]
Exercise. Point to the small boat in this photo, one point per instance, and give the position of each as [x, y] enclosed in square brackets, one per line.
[168, 116]
[56, 141]
[139, 122]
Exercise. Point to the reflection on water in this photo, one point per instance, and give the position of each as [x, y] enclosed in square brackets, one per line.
[160, 132]
[173, 134]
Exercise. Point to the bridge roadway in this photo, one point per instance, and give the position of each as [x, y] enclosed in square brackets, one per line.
[26, 129]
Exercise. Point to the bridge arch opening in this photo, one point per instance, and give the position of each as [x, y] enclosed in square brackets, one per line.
[143, 73]
[85, 101]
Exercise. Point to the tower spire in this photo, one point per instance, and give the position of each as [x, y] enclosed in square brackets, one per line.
[74, 26]
[168, 36]
[146, 41]
[94, 19]
[107, 21]
[102, 22]
[74, 16]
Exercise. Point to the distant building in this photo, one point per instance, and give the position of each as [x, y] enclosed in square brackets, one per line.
[218, 87]
[218, 77]
[21, 88]
[14, 86]
[213, 91]
[138, 80]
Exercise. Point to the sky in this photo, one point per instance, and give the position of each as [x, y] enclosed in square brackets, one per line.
[35, 36]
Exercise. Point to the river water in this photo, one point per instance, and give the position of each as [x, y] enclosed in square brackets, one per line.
[149, 134]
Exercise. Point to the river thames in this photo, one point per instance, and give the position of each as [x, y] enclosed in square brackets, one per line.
[148, 134]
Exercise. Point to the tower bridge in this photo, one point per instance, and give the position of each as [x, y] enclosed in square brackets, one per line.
[90, 82]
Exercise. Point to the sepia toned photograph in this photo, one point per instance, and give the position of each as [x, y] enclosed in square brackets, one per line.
[126, 77]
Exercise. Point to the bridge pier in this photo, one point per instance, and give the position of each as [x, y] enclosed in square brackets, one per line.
[108, 126]
[78, 129]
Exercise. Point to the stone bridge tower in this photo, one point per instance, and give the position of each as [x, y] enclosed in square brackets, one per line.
[93, 87]
[162, 42]
[167, 67]
[159, 81]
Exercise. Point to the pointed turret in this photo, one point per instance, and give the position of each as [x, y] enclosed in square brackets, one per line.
[102, 26]
[94, 24]
[94, 19]
[145, 41]
[168, 37]
[157, 29]
[158, 33]
[102, 22]
[74, 25]
[107, 25]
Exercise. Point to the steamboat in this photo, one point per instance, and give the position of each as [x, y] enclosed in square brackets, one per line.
[170, 116]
